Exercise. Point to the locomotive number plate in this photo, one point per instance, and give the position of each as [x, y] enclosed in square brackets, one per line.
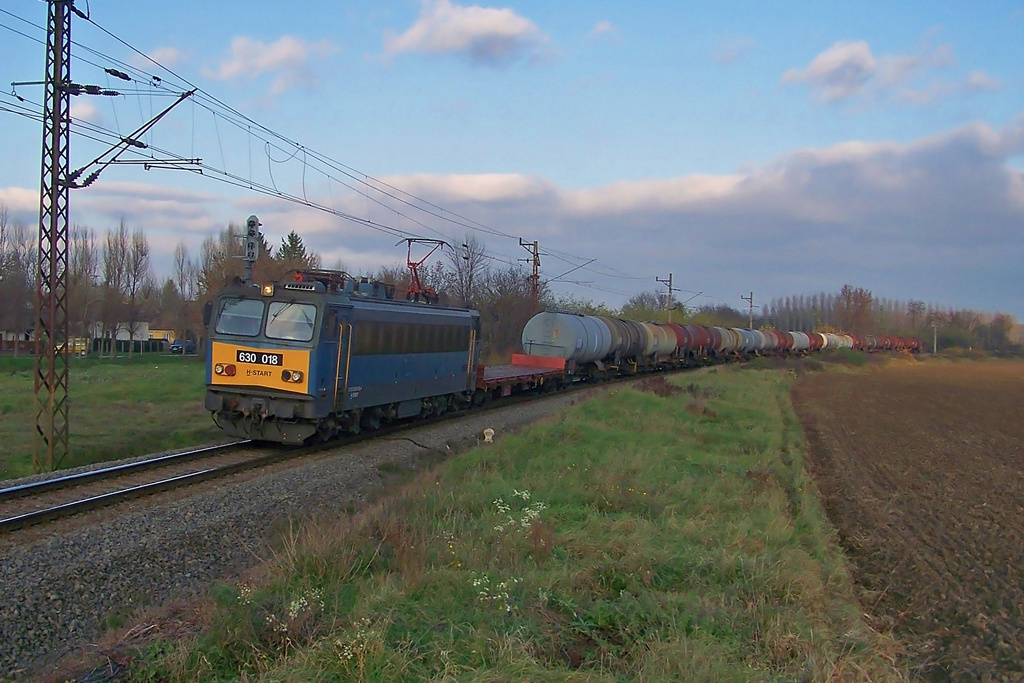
[258, 358]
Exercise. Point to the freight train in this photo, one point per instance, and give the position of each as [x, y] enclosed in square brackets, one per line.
[325, 353]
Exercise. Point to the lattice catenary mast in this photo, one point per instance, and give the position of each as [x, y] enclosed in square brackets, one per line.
[51, 328]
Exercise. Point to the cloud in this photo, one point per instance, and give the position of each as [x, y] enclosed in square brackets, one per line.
[895, 70]
[933, 219]
[838, 73]
[84, 110]
[606, 30]
[288, 58]
[936, 218]
[486, 187]
[22, 204]
[169, 57]
[936, 90]
[484, 35]
[849, 72]
[728, 53]
[154, 207]
[979, 80]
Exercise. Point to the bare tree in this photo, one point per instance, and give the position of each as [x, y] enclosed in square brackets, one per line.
[17, 277]
[139, 287]
[115, 263]
[6, 277]
[83, 274]
[915, 309]
[186, 307]
[399, 276]
[854, 306]
[467, 270]
[219, 262]
[505, 307]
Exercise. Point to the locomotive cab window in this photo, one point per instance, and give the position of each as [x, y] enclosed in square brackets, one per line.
[240, 316]
[291, 321]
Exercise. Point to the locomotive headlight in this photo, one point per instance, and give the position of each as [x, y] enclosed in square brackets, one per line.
[291, 376]
[268, 290]
[222, 369]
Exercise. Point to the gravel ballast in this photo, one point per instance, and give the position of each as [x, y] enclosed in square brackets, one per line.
[59, 593]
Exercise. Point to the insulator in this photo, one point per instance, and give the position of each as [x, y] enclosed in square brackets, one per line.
[92, 89]
[118, 74]
[91, 179]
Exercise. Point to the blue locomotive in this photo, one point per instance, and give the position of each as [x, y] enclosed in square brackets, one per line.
[325, 353]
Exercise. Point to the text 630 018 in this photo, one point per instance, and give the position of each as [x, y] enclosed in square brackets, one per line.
[258, 358]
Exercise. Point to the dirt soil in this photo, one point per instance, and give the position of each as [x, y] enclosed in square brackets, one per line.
[921, 469]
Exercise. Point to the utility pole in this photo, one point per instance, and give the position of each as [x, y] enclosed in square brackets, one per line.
[935, 337]
[534, 250]
[750, 300]
[668, 296]
[50, 444]
[469, 267]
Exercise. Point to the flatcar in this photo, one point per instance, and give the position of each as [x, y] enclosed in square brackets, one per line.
[324, 353]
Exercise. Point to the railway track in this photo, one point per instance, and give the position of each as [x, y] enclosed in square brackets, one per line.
[35, 503]
[44, 501]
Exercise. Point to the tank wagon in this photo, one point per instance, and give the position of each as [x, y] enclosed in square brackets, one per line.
[582, 342]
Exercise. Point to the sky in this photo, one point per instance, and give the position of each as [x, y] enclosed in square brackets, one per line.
[774, 148]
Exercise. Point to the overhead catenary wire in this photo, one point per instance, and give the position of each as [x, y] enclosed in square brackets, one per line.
[374, 189]
[339, 165]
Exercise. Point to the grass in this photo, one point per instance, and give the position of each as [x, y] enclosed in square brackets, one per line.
[636, 536]
[117, 408]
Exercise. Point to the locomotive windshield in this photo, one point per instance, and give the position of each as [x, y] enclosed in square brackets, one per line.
[291, 321]
[240, 316]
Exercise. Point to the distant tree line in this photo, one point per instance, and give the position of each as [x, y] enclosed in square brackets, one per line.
[856, 310]
[111, 287]
[852, 309]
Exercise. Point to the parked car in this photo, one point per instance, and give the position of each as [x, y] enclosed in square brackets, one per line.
[188, 346]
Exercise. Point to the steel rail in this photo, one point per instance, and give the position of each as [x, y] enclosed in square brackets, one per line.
[105, 499]
[179, 481]
[56, 483]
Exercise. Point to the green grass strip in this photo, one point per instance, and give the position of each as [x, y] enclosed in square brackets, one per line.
[633, 537]
[116, 408]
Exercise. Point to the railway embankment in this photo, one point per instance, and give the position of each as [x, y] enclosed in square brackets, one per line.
[665, 530]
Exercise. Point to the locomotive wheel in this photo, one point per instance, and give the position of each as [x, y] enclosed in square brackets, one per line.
[370, 419]
[440, 405]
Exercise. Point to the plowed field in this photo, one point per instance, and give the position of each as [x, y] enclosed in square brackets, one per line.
[921, 469]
